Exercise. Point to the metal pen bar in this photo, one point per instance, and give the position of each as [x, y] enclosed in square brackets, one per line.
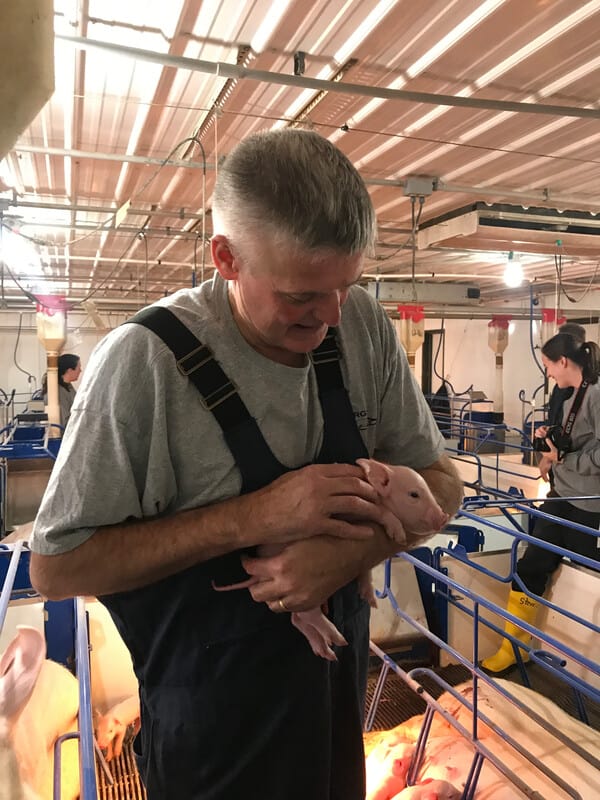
[9, 580]
[576, 557]
[86, 728]
[478, 746]
[589, 690]
[506, 615]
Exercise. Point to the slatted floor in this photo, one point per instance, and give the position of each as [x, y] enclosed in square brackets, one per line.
[399, 702]
[126, 781]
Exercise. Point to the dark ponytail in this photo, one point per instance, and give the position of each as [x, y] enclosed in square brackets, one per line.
[591, 368]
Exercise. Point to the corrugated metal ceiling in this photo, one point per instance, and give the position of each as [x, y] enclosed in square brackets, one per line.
[116, 116]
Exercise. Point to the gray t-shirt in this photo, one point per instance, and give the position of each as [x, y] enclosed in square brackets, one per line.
[66, 396]
[140, 443]
[579, 473]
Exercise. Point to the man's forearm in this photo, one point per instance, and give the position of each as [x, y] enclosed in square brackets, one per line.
[307, 572]
[126, 556]
[445, 484]
[315, 500]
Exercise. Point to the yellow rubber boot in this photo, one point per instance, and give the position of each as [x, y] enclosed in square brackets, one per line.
[524, 607]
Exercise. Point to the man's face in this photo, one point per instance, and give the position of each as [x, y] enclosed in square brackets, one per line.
[286, 298]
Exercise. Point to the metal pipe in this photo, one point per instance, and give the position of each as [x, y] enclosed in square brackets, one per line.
[223, 70]
[114, 260]
[383, 276]
[542, 196]
[440, 276]
[144, 160]
[90, 226]
[75, 281]
[180, 213]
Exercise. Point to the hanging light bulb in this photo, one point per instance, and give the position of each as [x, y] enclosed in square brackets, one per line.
[513, 273]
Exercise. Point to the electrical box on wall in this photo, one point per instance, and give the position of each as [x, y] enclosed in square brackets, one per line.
[392, 291]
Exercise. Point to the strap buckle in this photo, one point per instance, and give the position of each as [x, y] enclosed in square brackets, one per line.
[197, 358]
[219, 396]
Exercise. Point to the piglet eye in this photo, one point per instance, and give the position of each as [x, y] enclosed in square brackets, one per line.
[414, 494]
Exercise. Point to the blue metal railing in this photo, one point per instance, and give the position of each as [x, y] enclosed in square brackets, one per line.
[15, 555]
[470, 603]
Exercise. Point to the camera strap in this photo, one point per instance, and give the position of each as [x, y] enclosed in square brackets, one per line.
[568, 426]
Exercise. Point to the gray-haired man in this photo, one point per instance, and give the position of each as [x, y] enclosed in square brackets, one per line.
[247, 435]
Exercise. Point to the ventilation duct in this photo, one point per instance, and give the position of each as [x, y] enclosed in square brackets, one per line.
[397, 291]
[26, 65]
[506, 227]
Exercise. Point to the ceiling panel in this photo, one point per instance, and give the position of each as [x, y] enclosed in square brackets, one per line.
[115, 117]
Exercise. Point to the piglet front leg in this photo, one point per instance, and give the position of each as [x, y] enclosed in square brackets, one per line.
[112, 726]
[365, 588]
[320, 632]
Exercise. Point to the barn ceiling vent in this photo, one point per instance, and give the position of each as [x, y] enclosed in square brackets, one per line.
[482, 226]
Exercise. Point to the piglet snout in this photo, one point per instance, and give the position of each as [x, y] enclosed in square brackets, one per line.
[436, 518]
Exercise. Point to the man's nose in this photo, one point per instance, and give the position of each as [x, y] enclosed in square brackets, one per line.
[329, 309]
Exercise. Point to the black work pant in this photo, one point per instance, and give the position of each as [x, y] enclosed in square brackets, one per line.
[537, 564]
[256, 713]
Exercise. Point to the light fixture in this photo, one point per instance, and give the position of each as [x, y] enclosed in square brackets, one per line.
[513, 273]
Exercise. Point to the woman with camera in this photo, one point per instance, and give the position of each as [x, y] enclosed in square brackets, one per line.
[572, 452]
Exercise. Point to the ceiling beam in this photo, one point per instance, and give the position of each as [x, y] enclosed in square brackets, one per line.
[225, 70]
[120, 157]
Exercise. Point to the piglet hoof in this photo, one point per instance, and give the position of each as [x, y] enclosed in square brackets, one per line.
[366, 591]
[320, 632]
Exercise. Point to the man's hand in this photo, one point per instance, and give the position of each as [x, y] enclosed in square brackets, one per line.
[317, 500]
[305, 573]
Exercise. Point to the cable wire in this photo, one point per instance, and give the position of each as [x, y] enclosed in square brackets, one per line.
[30, 378]
[558, 267]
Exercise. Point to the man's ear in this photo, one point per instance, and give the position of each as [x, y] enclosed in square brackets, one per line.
[223, 258]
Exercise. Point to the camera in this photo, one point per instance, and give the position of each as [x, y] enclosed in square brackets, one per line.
[561, 441]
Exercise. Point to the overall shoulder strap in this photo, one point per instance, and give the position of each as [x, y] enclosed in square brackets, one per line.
[218, 394]
[341, 438]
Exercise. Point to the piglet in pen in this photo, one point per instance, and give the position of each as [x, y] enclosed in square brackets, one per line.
[430, 789]
[39, 702]
[408, 505]
[449, 756]
[112, 726]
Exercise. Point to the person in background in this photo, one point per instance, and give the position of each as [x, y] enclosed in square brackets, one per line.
[254, 394]
[558, 396]
[575, 462]
[69, 370]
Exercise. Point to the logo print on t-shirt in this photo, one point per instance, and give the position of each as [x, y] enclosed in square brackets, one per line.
[363, 420]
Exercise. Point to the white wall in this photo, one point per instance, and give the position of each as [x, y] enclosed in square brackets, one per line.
[468, 358]
[82, 337]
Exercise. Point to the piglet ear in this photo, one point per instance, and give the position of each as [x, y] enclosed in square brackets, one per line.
[20, 666]
[376, 473]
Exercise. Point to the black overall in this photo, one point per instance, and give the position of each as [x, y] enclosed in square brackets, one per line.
[234, 703]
